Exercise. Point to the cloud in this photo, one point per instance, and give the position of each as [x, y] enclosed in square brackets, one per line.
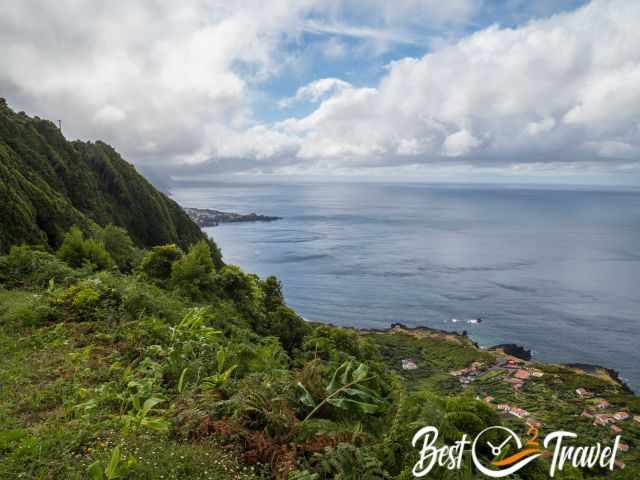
[460, 143]
[316, 90]
[175, 85]
[566, 88]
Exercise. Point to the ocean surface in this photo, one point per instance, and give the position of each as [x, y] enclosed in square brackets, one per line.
[554, 269]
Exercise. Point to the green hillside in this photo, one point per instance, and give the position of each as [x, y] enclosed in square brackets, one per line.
[119, 362]
[48, 184]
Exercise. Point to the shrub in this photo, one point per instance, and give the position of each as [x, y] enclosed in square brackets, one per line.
[273, 297]
[158, 262]
[90, 300]
[288, 326]
[192, 274]
[78, 251]
[244, 290]
[35, 313]
[140, 298]
[121, 248]
[29, 266]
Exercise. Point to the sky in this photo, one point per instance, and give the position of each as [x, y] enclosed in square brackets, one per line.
[462, 90]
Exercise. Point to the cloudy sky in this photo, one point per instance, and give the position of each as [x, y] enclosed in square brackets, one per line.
[542, 90]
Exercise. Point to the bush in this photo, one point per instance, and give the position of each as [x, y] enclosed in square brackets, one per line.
[121, 248]
[192, 274]
[35, 313]
[287, 326]
[244, 290]
[140, 298]
[273, 297]
[78, 251]
[90, 300]
[31, 267]
[158, 262]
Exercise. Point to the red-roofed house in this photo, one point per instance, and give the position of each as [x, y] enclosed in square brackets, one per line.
[409, 364]
[601, 419]
[621, 416]
[616, 429]
[522, 374]
[519, 412]
[602, 404]
[623, 447]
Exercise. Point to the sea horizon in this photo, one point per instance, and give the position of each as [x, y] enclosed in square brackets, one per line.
[442, 259]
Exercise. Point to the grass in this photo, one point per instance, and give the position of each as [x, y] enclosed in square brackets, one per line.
[45, 373]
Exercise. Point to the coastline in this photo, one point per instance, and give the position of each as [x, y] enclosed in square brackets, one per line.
[508, 350]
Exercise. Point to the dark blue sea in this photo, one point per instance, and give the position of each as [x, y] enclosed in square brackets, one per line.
[555, 269]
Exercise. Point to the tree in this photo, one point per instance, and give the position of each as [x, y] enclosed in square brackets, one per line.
[120, 246]
[192, 274]
[288, 326]
[78, 251]
[273, 297]
[158, 262]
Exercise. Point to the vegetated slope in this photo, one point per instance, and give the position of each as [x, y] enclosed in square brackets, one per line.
[48, 184]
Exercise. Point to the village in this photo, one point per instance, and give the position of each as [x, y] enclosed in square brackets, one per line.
[517, 373]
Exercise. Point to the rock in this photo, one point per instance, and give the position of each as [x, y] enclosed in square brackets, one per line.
[514, 350]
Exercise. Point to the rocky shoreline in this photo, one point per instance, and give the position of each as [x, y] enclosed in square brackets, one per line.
[205, 217]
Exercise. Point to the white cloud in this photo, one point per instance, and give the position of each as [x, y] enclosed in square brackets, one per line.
[544, 125]
[567, 87]
[175, 83]
[460, 143]
[109, 114]
[316, 90]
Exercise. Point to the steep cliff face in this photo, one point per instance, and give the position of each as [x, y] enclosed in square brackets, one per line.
[48, 184]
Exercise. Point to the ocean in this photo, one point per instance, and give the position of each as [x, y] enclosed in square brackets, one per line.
[555, 269]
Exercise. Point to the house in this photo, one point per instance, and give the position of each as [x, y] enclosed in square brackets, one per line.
[519, 412]
[477, 365]
[583, 392]
[602, 419]
[512, 364]
[534, 372]
[409, 364]
[602, 404]
[521, 374]
[505, 407]
[623, 447]
[616, 429]
[636, 418]
[516, 382]
[488, 399]
[620, 416]
[586, 413]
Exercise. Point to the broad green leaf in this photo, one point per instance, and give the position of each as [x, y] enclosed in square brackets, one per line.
[360, 373]
[345, 375]
[306, 398]
[157, 424]
[149, 404]
[181, 381]
[112, 469]
[332, 387]
[95, 471]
